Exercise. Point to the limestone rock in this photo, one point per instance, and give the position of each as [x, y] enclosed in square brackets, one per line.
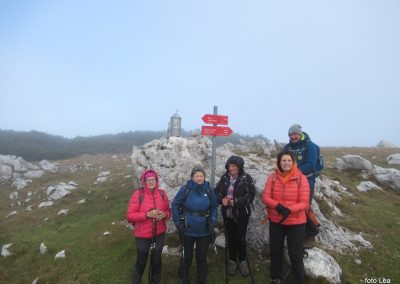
[385, 144]
[45, 204]
[387, 177]
[4, 250]
[367, 186]
[48, 167]
[321, 264]
[60, 254]
[352, 162]
[42, 248]
[6, 173]
[393, 159]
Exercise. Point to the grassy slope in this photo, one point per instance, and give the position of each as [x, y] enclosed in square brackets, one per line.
[94, 258]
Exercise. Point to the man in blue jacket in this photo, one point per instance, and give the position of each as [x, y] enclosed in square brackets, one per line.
[306, 154]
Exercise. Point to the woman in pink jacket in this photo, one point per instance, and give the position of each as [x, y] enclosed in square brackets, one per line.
[286, 195]
[148, 210]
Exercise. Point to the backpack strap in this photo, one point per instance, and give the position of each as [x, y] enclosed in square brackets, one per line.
[141, 195]
[193, 213]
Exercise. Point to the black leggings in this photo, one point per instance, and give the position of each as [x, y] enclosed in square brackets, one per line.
[142, 253]
[295, 237]
[202, 244]
[236, 237]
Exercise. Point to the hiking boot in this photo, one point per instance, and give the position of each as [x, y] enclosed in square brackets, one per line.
[309, 242]
[244, 268]
[232, 265]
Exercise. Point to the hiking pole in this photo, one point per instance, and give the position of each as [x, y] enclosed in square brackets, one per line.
[184, 276]
[152, 247]
[215, 249]
[226, 256]
[247, 260]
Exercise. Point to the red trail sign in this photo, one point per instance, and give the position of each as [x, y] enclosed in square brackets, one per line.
[215, 119]
[216, 131]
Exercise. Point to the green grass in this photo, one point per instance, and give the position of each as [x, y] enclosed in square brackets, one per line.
[94, 258]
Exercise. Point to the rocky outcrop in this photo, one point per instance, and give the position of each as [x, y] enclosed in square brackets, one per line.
[393, 159]
[19, 173]
[384, 176]
[385, 144]
[174, 158]
[387, 177]
[352, 162]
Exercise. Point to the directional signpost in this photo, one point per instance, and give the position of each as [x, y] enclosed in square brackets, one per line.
[215, 119]
[215, 131]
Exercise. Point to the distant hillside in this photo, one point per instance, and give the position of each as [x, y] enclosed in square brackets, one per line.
[35, 146]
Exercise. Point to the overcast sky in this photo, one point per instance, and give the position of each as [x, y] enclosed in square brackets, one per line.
[95, 67]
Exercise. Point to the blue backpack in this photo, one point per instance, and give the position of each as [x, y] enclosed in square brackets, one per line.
[320, 160]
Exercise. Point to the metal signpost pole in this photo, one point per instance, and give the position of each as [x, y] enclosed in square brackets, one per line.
[213, 154]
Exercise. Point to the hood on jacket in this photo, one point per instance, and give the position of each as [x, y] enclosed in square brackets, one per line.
[304, 137]
[238, 161]
[144, 182]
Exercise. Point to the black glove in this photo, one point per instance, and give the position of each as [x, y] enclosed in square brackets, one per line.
[180, 227]
[284, 211]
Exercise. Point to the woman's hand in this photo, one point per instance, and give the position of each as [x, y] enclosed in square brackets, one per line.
[161, 215]
[153, 214]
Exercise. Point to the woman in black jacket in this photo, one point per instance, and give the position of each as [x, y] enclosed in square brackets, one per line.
[235, 191]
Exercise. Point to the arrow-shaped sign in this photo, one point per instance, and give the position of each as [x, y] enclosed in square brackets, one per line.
[216, 131]
[215, 119]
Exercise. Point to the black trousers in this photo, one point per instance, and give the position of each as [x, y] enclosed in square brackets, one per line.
[142, 253]
[202, 244]
[236, 237]
[295, 237]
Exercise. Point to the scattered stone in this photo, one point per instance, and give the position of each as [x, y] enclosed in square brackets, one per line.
[365, 186]
[393, 159]
[48, 167]
[42, 248]
[106, 233]
[34, 174]
[60, 190]
[63, 211]
[45, 204]
[220, 241]
[352, 162]
[321, 264]
[60, 254]
[82, 201]
[11, 213]
[20, 183]
[171, 251]
[36, 280]
[4, 251]
[14, 195]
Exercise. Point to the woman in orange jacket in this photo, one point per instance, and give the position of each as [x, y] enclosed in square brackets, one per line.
[286, 196]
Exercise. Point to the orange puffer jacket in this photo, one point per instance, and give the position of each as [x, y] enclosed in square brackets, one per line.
[292, 192]
[137, 210]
